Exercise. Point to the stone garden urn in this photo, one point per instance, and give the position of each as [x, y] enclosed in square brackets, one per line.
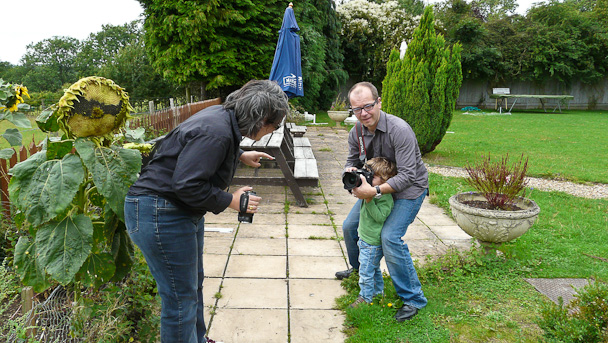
[493, 227]
[337, 116]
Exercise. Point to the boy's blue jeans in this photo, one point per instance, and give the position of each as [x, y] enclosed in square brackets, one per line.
[370, 275]
[171, 240]
[396, 253]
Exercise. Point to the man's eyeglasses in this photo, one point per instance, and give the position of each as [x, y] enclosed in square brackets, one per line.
[367, 108]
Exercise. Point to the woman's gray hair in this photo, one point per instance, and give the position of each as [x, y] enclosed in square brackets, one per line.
[257, 103]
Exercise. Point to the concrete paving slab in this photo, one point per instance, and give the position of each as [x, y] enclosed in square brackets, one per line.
[271, 208]
[259, 246]
[253, 293]
[437, 219]
[314, 293]
[320, 208]
[313, 247]
[268, 218]
[304, 231]
[316, 326]
[214, 265]
[311, 219]
[426, 247]
[211, 286]
[449, 232]
[217, 245]
[315, 266]
[418, 232]
[228, 217]
[262, 231]
[249, 325]
[250, 266]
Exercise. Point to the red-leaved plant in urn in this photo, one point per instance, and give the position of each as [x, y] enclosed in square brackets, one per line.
[498, 182]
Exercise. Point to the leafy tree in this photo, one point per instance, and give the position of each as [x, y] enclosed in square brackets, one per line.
[222, 43]
[463, 23]
[494, 9]
[369, 32]
[567, 44]
[131, 68]
[322, 59]
[56, 57]
[424, 86]
[101, 47]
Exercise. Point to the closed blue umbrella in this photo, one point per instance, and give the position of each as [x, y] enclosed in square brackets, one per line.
[287, 66]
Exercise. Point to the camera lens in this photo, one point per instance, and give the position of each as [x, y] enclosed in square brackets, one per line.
[351, 180]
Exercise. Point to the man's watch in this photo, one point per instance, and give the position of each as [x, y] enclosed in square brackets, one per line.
[378, 193]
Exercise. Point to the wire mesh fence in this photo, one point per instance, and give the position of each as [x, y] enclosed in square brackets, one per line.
[50, 320]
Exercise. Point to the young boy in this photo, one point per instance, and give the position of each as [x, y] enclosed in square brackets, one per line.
[373, 214]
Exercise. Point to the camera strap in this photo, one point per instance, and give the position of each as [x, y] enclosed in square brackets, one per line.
[362, 150]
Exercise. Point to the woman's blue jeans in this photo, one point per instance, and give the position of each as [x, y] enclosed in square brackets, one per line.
[171, 240]
[370, 275]
[396, 253]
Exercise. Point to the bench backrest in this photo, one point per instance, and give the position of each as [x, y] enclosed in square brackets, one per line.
[501, 91]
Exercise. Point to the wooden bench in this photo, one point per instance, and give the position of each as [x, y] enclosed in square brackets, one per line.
[295, 130]
[294, 156]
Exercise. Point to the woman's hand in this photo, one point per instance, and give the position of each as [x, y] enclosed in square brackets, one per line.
[254, 200]
[252, 158]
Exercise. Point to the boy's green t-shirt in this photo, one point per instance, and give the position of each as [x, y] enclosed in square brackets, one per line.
[372, 217]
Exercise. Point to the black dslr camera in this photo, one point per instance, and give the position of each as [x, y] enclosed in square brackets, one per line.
[352, 179]
[245, 217]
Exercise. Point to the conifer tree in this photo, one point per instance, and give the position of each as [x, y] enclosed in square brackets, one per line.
[422, 88]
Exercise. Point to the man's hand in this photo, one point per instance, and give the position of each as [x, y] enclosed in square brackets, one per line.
[252, 158]
[365, 191]
[252, 206]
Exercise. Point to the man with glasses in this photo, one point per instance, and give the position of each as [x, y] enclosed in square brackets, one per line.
[379, 134]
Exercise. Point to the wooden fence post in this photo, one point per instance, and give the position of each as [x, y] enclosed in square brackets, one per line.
[151, 107]
[27, 304]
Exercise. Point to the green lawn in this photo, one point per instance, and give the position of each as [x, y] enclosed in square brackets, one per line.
[476, 298]
[572, 145]
[27, 133]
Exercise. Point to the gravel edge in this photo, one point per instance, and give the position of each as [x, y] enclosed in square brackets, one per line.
[597, 191]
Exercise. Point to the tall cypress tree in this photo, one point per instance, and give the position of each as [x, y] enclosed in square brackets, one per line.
[423, 87]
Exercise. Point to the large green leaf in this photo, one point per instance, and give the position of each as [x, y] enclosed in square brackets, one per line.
[22, 176]
[114, 170]
[58, 149]
[47, 121]
[97, 269]
[28, 268]
[45, 188]
[19, 119]
[64, 246]
[135, 136]
[6, 153]
[123, 252]
[13, 136]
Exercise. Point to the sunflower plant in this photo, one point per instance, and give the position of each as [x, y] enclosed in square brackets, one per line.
[70, 196]
[12, 102]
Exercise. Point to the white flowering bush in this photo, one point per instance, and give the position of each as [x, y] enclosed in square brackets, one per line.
[370, 31]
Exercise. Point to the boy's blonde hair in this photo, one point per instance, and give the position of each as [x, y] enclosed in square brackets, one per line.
[382, 167]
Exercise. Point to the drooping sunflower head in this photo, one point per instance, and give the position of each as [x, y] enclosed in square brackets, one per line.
[93, 106]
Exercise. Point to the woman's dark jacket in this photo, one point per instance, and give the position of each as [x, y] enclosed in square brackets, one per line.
[195, 162]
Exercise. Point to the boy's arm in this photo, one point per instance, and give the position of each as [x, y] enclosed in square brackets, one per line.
[379, 209]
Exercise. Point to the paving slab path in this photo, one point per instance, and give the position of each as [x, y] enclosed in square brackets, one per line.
[273, 280]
